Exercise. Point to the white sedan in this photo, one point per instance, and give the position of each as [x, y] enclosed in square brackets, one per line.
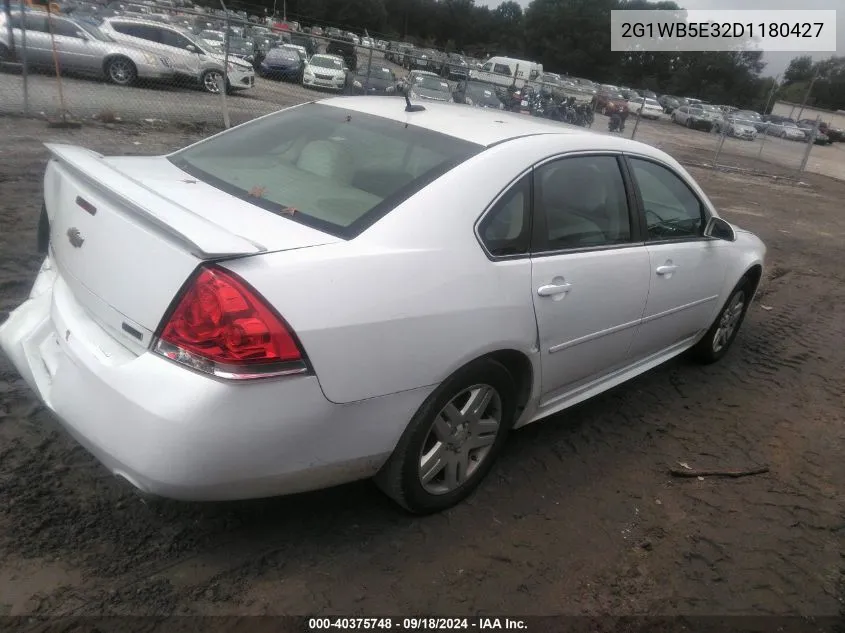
[651, 109]
[325, 71]
[347, 289]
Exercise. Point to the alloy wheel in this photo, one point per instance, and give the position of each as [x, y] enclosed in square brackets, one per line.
[728, 321]
[121, 71]
[460, 439]
[211, 81]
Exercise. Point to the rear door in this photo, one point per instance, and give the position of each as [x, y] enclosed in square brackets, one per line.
[39, 48]
[687, 270]
[590, 270]
[75, 51]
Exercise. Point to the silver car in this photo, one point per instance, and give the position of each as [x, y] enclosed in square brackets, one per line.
[191, 59]
[80, 47]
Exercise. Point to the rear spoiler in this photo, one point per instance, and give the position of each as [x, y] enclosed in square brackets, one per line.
[203, 238]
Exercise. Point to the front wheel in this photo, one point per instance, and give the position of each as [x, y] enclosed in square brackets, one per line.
[121, 71]
[722, 333]
[453, 440]
[211, 80]
[5, 54]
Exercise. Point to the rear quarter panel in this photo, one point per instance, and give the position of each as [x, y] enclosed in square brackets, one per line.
[414, 297]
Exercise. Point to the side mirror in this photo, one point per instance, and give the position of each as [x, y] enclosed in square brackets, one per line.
[191, 48]
[82, 35]
[719, 229]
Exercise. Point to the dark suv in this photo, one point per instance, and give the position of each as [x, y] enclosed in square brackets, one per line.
[345, 47]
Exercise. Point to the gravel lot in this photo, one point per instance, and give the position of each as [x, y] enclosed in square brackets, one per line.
[579, 517]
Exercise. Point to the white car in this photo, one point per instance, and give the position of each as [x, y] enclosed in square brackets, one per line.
[338, 290]
[650, 110]
[787, 130]
[325, 71]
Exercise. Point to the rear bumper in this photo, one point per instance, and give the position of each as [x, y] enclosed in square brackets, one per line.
[176, 433]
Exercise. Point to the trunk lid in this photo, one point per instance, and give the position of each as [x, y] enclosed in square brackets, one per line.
[127, 232]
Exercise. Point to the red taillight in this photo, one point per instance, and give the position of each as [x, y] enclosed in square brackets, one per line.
[223, 327]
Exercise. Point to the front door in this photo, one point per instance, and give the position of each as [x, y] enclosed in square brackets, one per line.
[589, 272]
[687, 270]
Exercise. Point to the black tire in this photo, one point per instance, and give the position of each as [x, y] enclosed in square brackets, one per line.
[689, 123]
[706, 351]
[5, 54]
[400, 477]
[121, 71]
[205, 82]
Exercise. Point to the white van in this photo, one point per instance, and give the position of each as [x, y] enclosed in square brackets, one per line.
[505, 71]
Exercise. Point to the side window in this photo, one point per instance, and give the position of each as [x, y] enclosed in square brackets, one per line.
[502, 69]
[584, 202]
[672, 210]
[141, 31]
[505, 230]
[36, 23]
[171, 38]
[487, 68]
[68, 29]
[15, 22]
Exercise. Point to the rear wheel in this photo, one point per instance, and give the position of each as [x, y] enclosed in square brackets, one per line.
[453, 440]
[722, 333]
[121, 71]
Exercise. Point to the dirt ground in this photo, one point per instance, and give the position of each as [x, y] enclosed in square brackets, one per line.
[579, 517]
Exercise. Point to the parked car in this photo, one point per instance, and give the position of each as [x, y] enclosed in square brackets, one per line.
[305, 41]
[345, 48]
[425, 85]
[214, 40]
[478, 94]
[373, 80]
[325, 71]
[242, 48]
[608, 100]
[669, 103]
[207, 318]
[697, 116]
[190, 59]
[783, 127]
[81, 47]
[739, 124]
[455, 67]
[811, 131]
[283, 63]
[834, 135]
[648, 110]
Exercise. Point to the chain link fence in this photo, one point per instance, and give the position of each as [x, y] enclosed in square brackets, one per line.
[149, 62]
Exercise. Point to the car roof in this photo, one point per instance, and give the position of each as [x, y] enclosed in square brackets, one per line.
[481, 125]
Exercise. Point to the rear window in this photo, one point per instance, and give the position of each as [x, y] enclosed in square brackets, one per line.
[333, 169]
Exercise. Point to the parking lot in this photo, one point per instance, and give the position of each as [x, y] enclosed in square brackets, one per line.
[86, 99]
[580, 516]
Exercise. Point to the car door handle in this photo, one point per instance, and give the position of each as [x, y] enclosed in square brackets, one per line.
[666, 269]
[551, 290]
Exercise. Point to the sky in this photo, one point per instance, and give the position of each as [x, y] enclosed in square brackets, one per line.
[776, 62]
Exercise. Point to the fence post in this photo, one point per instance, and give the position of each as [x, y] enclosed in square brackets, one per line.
[723, 135]
[55, 62]
[369, 67]
[24, 65]
[809, 90]
[222, 88]
[639, 116]
[810, 140]
[763, 142]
